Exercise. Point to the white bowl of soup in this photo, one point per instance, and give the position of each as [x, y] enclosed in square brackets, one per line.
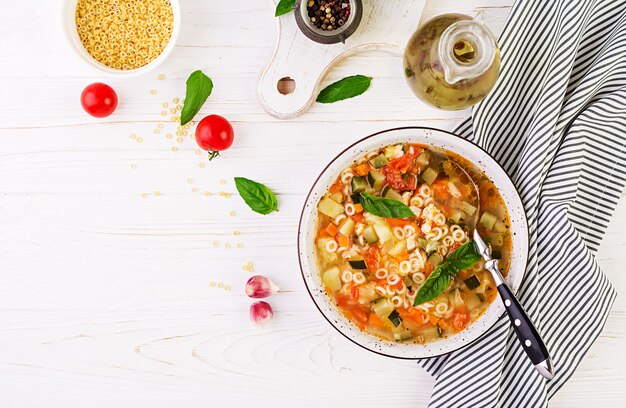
[364, 271]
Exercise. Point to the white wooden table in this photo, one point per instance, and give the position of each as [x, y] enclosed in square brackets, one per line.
[110, 297]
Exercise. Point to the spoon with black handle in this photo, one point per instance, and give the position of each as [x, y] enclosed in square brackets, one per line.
[524, 329]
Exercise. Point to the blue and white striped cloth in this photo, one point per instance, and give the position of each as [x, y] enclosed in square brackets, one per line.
[556, 121]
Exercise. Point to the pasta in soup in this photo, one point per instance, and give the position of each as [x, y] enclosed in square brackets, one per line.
[377, 269]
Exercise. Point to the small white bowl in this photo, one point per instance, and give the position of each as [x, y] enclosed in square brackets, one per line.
[308, 221]
[69, 23]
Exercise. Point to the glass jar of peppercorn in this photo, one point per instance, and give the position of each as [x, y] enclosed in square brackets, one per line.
[328, 21]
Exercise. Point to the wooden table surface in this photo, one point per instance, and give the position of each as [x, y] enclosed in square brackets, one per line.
[123, 260]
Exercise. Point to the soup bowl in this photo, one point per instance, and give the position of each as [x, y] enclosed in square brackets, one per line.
[307, 231]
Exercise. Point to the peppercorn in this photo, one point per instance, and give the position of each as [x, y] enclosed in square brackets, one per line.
[328, 15]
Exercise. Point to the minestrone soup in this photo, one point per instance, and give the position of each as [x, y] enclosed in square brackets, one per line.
[374, 267]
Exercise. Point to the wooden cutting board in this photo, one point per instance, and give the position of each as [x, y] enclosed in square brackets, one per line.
[386, 24]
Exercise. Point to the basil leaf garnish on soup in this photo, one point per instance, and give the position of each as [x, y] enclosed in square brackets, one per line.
[393, 247]
[435, 284]
[346, 88]
[199, 88]
[465, 256]
[259, 198]
[385, 207]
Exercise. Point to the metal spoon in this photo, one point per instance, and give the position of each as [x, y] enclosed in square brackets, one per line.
[524, 329]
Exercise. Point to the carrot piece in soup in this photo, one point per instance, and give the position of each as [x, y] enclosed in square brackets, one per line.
[336, 188]
[374, 321]
[354, 293]
[343, 241]
[428, 268]
[358, 217]
[411, 315]
[331, 229]
[359, 314]
[397, 222]
[362, 169]
[358, 208]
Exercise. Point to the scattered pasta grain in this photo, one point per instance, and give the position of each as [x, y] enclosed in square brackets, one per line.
[161, 77]
[232, 213]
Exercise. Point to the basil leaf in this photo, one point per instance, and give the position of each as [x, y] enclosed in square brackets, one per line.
[435, 284]
[464, 256]
[258, 197]
[199, 87]
[346, 88]
[385, 207]
[284, 7]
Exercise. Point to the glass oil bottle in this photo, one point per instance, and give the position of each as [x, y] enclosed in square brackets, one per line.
[452, 62]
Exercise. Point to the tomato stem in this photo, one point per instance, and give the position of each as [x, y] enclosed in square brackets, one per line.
[213, 154]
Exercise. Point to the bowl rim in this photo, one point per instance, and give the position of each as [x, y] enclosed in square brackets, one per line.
[304, 208]
[72, 38]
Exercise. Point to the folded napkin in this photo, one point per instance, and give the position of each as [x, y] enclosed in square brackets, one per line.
[556, 121]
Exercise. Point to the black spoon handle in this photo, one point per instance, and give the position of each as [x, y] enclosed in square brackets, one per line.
[526, 333]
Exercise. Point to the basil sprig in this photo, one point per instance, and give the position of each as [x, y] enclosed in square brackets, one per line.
[438, 281]
[284, 7]
[385, 207]
[199, 87]
[346, 88]
[259, 198]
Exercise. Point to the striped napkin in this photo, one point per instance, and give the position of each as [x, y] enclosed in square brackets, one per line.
[556, 121]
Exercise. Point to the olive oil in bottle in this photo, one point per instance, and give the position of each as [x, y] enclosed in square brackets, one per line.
[452, 62]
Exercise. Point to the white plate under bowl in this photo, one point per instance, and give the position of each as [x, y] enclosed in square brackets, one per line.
[308, 220]
[71, 33]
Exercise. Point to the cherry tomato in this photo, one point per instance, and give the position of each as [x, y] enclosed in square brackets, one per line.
[214, 134]
[98, 100]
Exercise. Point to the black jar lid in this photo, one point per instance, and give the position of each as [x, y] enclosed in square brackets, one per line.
[328, 37]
